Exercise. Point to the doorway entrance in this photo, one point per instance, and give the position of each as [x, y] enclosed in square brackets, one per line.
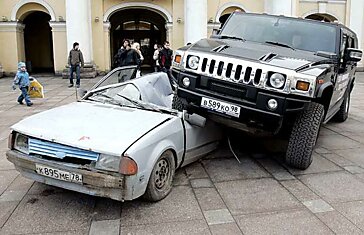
[138, 25]
[38, 43]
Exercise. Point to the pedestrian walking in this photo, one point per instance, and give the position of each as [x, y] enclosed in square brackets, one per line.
[136, 47]
[156, 66]
[165, 60]
[75, 61]
[22, 80]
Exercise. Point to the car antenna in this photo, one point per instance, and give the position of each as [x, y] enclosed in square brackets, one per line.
[232, 150]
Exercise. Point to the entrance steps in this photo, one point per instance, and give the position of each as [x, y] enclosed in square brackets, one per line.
[88, 71]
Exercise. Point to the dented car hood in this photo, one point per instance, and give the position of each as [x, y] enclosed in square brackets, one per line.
[257, 52]
[97, 127]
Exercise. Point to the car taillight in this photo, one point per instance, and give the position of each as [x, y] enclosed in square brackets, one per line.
[11, 140]
[128, 166]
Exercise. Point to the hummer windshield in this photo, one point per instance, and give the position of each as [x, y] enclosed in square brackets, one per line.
[282, 31]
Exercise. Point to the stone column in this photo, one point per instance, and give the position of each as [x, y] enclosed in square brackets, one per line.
[107, 52]
[195, 20]
[280, 7]
[60, 49]
[78, 24]
[169, 27]
[357, 24]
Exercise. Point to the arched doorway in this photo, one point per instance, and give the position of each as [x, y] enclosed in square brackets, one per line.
[322, 17]
[138, 25]
[38, 42]
[227, 12]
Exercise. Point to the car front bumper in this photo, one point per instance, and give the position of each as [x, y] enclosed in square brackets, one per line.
[94, 183]
[254, 111]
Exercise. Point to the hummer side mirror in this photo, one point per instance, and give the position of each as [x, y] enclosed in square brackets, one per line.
[353, 54]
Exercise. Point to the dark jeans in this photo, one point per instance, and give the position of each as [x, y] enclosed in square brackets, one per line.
[169, 73]
[75, 68]
[24, 95]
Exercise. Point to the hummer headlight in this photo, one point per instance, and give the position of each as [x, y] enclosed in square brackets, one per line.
[108, 162]
[21, 143]
[277, 80]
[193, 62]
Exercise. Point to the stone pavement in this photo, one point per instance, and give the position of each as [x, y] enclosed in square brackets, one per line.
[216, 195]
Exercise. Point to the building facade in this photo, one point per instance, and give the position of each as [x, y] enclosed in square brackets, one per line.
[41, 32]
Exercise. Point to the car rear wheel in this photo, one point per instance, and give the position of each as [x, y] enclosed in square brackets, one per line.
[161, 178]
[304, 135]
[343, 112]
[179, 103]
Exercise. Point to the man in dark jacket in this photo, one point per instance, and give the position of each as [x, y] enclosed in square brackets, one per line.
[126, 56]
[165, 60]
[75, 61]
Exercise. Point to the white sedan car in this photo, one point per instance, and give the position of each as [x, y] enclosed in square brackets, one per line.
[121, 140]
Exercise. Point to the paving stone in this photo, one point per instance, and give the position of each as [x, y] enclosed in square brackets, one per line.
[221, 216]
[354, 169]
[353, 155]
[62, 212]
[318, 206]
[6, 209]
[179, 205]
[45, 190]
[282, 222]
[229, 169]
[337, 142]
[258, 195]
[6, 177]
[336, 186]
[299, 190]
[107, 209]
[196, 227]
[276, 170]
[229, 229]
[195, 171]
[12, 196]
[209, 199]
[338, 160]
[338, 223]
[353, 211]
[105, 227]
[180, 178]
[201, 183]
[318, 165]
[325, 132]
[4, 163]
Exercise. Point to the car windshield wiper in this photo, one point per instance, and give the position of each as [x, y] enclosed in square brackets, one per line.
[111, 99]
[134, 102]
[279, 44]
[231, 37]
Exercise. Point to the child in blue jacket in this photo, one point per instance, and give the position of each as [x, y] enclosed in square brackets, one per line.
[22, 80]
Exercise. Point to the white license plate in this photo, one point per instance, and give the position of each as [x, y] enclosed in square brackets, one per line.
[220, 106]
[58, 174]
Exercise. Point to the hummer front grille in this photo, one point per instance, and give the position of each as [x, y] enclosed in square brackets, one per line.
[236, 72]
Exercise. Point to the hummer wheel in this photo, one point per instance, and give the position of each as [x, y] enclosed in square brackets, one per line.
[304, 135]
[179, 103]
[343, 112]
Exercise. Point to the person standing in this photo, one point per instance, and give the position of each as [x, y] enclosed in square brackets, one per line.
[155, 57]
[136, 47]
[165, 60]
[75, 61]
[22, 80]
[119, 58]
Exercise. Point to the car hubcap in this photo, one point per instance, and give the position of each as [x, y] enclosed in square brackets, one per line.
[161, 173]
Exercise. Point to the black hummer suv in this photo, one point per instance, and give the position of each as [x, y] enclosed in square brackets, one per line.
[264, 74]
